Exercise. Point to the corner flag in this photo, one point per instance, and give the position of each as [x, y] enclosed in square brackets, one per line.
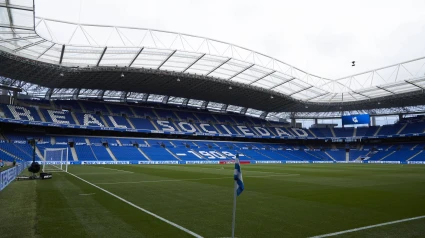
[238, 177]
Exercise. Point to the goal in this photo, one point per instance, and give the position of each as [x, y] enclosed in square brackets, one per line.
[55, 159]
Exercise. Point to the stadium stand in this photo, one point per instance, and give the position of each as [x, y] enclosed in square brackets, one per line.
[103, 115]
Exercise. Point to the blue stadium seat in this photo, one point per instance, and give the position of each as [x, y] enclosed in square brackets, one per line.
[69, 105]
[158, 153]
[344, 132]
[142, 123]
[166, 114]
[126, 153]
[92, 107]
[118, 109]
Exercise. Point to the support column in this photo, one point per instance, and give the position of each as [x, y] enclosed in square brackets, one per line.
[373, 118]
[293, 123]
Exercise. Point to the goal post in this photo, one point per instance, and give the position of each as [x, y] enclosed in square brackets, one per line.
[55, 159]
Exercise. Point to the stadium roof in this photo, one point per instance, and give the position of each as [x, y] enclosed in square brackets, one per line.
[95, 57]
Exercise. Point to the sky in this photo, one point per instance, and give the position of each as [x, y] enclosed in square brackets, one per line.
[320, 37]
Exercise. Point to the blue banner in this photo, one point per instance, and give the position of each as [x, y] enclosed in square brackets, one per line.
[7, 176]
[356, 119]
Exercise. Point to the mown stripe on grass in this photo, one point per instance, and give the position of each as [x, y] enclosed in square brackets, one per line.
[140, 208]
[198, 179]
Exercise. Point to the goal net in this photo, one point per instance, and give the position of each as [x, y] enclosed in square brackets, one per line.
[55, 159]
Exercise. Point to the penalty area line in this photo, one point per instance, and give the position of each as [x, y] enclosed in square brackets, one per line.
[368, 227]
[140, 208]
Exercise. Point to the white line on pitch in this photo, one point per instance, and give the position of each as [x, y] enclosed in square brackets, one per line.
[119, 170]
[87, 194]
[141, 209]
[197, 179]
[100, 173]
[368, 227]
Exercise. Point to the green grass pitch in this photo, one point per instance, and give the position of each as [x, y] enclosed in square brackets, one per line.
[280, 200]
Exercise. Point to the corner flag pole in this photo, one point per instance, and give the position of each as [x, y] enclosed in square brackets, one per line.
[234, 210]
[239, 187]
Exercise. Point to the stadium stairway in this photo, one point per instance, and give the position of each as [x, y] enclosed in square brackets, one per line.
[109, 109]
[419, 152]
[313, 155]
[111, 154]
[82, 106]
[74, 154]
[377, 131]
[387, 155]
[199, 155]
[104, 121]
[332, 131]
[75, 118]
[133, 112]
[143, 153]
[171, 153]
[7, 154]
[43, 119]
[129, 122]
[355, 132]
[401, 129]
[154, 125]
[311, 132]
[263, 154]
[329, 156]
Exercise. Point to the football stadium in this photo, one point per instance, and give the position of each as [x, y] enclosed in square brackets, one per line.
[115, 131]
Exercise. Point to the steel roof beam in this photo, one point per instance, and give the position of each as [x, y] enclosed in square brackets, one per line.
[414, 84]
[29, 45]
[135, 57]
[17, 27]
[320, 95]
[47, 49]
[361, 94]
[245, 69]
[266, 75]
[21, 38]
[18, 7]
[62, 53]
[288, 80]
[301, 90]
[165, 61]
[194, 62]
[101, 56]
[218, 66]
[385, 89]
